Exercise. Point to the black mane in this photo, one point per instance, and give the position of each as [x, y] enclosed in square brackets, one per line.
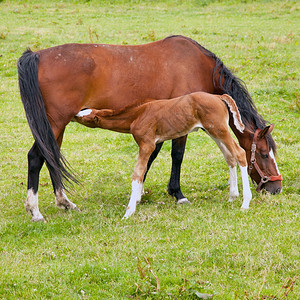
[236, 88]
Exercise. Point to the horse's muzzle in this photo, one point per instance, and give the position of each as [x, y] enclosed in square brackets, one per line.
[273, 187]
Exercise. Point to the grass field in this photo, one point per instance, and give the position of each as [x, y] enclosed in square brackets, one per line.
[164, 251]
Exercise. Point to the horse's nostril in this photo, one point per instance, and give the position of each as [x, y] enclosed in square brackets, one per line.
[278, 191]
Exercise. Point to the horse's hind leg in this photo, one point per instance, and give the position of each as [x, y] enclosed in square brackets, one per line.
[61, 199]
[35, 163]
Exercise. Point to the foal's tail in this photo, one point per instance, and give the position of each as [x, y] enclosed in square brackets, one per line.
[33, 103]
[235, 112]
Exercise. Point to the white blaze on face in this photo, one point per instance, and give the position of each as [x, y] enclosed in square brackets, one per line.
[83, 113]
[271, 153]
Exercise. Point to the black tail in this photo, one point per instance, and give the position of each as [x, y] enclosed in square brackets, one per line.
[37, 119]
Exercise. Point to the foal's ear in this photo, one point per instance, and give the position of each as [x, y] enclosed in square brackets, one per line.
[265, 131]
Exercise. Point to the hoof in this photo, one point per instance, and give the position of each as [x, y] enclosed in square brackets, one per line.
[77, 209]
[36, 216]
[67, 206]
[63, 202]
[38, 219]
[126, 216]
[128, 213]
[244, 208]
[183, 201]
[232, 198]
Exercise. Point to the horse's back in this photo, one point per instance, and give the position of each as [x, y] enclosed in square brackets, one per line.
[113, 76]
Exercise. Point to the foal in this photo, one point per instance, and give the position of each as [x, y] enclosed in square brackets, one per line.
[153, 122]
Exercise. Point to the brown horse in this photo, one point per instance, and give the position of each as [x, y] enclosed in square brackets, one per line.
[157, 121]
[56, 83]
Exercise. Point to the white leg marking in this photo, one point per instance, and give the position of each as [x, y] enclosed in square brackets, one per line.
[142, 193]
[136, 193]
[83, 113]
[62, 200]
[234, 190]
[32, 206]
[247, 196]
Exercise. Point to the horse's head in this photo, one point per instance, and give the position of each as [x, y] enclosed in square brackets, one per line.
[261, 161]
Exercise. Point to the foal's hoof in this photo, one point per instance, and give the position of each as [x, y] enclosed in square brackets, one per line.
[77, 209]
[183, 201]
[129, 211]
[244, 208]
[126, 216]
[38, 219]
[232, 198]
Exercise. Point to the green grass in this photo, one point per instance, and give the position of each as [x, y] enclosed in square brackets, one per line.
[209, 247]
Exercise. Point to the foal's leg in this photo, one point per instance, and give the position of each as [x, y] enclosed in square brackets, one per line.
[247, 196]
[233, 190]
[35, 163]
[178, 147]
[145, 151]
[234, 153]
[231, 162]
[150, 161]
[152, 158]
[240, 156]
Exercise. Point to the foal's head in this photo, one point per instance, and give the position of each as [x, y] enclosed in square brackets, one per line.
[261, 160]
[87, 117]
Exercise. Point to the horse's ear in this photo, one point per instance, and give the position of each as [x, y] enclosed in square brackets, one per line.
[265, 131]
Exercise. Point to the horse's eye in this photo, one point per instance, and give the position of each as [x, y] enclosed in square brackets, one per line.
[264, 155]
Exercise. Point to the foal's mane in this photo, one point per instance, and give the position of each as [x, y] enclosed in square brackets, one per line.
[237, 89]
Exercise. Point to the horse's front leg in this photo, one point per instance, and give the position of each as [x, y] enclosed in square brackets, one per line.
[145, 151]
[178, 147]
